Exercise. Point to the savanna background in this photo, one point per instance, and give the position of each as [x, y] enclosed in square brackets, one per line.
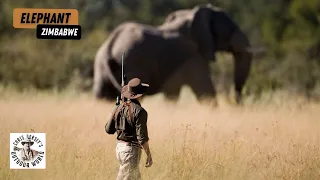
[45, 86]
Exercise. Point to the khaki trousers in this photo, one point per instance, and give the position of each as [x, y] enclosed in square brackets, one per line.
[129, 159]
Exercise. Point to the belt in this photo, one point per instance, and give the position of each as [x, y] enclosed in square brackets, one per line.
[130, 143]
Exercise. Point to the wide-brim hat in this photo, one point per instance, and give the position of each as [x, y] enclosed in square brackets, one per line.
[27, 141]
[134, 89]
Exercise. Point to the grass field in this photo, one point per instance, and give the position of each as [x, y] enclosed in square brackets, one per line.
[264, 141]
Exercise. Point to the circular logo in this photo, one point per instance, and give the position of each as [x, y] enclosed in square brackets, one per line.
[27, 150]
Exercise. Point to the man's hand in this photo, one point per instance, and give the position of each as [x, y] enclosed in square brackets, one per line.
[118, 101]
[149, 161]
[145, 146]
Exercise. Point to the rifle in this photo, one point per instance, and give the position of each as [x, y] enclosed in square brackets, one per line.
[123, 79]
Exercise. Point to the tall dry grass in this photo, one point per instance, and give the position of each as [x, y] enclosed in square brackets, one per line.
[190, 141]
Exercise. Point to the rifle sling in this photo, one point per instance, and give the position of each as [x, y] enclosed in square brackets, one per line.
[123, 104]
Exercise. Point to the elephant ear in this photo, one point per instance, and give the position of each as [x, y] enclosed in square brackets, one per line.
[239, 41]
[200, 31]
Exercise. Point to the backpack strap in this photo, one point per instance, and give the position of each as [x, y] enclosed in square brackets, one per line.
[118, 111]
[130, 112]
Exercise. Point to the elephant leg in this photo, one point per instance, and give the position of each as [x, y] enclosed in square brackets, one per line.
[172, 87]
[103, 89]
[172, 93]
[98, 86]
[200, 81]
[99, 90]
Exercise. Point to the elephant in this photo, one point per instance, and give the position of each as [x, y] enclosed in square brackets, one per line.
[172, 54]
[314, 51]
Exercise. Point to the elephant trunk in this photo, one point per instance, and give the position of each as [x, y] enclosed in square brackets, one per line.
[242, 61]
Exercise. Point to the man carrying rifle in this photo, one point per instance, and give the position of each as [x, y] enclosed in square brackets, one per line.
[130, 122]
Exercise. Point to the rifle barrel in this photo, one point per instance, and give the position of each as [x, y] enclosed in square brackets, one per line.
[122, 73]
[122, 70]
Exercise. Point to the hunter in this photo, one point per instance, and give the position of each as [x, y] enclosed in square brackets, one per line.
[129, 120]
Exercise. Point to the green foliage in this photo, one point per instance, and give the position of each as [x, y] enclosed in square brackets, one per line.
[287, 28]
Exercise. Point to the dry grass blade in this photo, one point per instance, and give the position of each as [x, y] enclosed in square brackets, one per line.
[187, 142]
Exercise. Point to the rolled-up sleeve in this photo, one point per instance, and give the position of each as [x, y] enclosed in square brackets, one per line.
[141, 127]
[110, 126]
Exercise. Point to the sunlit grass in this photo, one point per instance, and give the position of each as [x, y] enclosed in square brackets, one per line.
[268, 141]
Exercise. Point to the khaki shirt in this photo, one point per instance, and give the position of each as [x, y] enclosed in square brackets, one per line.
[27, 156]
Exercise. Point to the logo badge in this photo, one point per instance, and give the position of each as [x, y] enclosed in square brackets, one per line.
[27, 150]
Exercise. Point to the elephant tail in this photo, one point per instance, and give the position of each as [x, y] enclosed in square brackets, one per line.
[112, 65]
[112, 68]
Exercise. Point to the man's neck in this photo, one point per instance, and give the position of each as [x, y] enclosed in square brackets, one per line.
[135, 101]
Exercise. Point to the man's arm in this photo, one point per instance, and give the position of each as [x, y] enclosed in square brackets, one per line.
[142, 135]
[146, 148]
[141, 127]
[110, 126]
[35, 152]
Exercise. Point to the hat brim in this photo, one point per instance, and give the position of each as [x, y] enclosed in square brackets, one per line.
[129, 95]
[24, 142]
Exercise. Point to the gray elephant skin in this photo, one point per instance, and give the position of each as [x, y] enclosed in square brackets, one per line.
[173, 54]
